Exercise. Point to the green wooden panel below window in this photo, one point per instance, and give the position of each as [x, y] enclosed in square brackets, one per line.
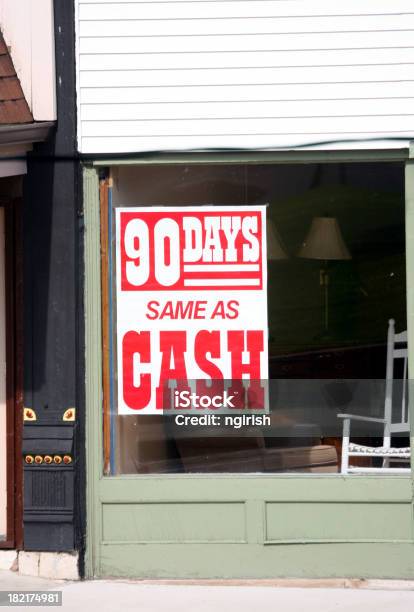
[256, 561]
[174, 522]
[337, 521]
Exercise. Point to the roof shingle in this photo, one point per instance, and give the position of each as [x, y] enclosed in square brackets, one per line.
[13, 106]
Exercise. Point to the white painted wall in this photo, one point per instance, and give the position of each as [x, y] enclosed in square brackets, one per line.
[27, 27]
[3, 396]
[165, 75]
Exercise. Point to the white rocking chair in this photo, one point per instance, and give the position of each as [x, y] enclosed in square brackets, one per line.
[386, 451]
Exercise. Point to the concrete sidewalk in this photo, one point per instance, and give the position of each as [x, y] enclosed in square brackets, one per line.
[108, 595]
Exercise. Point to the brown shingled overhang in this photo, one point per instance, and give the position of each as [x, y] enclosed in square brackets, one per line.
[15, 111]
[10, 89]
[3, 46]
[13, 106]
[6, 66]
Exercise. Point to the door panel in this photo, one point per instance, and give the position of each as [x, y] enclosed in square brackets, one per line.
[3, 393]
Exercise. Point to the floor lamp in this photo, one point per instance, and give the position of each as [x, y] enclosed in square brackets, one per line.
[275, 248]
[324, 242]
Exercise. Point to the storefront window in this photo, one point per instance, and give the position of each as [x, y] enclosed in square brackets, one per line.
[334, 300]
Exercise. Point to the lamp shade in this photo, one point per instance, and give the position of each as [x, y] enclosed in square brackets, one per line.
[275, 249]
[324, 240]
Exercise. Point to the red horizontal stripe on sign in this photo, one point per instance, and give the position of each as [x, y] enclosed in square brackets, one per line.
[221, 267]
[234, 283]
[220, 275]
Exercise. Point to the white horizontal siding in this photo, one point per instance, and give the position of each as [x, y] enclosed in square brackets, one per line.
[247, 76]
[192, 9]
[242, 73]
[214, 110]
[320, 92]
[249, 125]
[252, 25]
[122, 144]
[245, 42]
[247, 59]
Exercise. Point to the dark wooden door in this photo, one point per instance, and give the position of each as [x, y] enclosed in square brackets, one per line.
[11, 366]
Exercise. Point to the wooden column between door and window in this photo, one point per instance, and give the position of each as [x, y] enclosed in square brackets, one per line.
[104, 234]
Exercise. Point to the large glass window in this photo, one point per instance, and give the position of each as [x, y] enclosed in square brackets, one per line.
[336, 306]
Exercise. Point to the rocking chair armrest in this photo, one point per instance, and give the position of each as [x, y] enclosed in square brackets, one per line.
[358, 417]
